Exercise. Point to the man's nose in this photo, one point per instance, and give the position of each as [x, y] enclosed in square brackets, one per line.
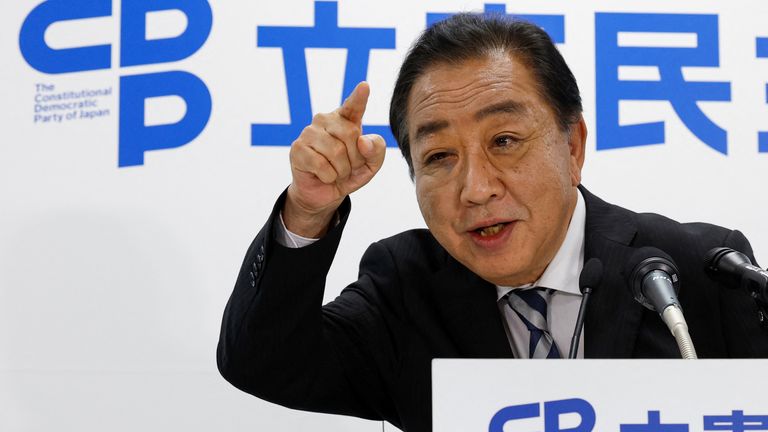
[481, 180]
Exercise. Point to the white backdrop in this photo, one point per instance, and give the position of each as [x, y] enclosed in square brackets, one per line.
[113, 278]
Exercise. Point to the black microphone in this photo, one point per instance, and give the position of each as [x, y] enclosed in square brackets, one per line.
[735, 263]
[654, 280]
[591, 276]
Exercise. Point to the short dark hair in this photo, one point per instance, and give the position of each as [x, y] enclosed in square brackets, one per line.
[469, 36]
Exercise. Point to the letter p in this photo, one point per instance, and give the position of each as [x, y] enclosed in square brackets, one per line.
[135, 137]
[554, 409]
[137, 50]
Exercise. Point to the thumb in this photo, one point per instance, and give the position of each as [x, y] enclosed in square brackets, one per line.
[373, 148]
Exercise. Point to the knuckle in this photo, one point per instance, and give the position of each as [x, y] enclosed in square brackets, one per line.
[320, 118]
[306, 135]
[339, 151]
[327, 173]
[315, 161]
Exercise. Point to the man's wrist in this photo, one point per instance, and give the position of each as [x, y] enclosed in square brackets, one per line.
[306, 224]
[289, 239]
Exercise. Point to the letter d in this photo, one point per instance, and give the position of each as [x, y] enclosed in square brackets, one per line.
[136, 138]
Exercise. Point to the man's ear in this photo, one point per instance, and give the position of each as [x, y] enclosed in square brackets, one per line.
[577, 140]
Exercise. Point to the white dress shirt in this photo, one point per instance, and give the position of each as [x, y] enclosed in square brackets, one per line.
[561, 275]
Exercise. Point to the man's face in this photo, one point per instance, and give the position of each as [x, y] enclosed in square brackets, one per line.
[495, 175]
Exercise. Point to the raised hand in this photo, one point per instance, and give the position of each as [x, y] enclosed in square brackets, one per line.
[330, 160]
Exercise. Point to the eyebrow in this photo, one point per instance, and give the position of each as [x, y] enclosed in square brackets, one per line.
[506, 107]
[430, 128]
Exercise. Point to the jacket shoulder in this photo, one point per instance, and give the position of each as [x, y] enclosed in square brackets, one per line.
[415, 250]
[657, 229]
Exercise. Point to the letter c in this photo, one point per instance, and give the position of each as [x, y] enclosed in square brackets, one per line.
[42, 57]
[516, 412]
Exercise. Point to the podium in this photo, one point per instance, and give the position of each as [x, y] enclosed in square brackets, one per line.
[599, 395]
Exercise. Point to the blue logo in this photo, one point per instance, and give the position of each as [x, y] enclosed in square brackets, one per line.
[762, 52]
[326, 33]
[552, 412]
[737, 421]
[135, 139]
[672, 87]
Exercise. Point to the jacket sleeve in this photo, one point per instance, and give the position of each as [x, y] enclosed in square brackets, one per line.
[278, 343]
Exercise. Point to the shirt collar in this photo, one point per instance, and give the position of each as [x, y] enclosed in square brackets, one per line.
[562, 273]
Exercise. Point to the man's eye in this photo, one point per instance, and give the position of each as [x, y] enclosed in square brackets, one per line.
[436, 157]
[505, 141]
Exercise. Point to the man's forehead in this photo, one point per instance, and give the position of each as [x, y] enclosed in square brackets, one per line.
[460, 82]
[477, 87]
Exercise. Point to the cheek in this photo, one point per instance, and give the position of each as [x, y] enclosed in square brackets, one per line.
[435, 204]
[559, 165]
[423, 197]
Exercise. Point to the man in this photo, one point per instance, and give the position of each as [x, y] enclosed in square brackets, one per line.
[488, 117]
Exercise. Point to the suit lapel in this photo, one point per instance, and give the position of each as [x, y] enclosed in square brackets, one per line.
[467, 305]
[613, 317]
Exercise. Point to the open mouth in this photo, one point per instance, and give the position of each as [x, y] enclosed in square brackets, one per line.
[491, 230]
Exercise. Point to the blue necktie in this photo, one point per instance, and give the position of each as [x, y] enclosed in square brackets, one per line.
[531, 306]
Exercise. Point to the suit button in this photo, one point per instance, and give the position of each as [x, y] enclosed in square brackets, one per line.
[260, 258]
[253, 276]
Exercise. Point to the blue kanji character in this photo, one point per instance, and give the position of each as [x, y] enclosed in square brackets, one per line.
[762, 52]
[736, 422]
[554, 25]
[672, 87]
[654, 425]
[326, 33]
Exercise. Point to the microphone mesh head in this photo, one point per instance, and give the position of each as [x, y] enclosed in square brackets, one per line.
[643, 261]
[592, 274]
[713, 256]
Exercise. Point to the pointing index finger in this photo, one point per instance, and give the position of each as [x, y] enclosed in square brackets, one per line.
[353, 107]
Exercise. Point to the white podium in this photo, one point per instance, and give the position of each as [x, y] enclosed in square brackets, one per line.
[599, 395]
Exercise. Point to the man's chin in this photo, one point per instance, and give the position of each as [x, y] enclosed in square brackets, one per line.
[507, 275]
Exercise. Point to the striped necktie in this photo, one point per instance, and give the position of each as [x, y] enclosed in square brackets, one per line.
[531, 306]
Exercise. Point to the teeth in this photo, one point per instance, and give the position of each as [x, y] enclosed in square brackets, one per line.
[491, 230]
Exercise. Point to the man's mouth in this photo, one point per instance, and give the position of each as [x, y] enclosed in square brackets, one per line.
[491, 230]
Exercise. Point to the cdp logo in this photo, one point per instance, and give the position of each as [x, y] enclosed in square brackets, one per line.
[135, 138]
[553, 410]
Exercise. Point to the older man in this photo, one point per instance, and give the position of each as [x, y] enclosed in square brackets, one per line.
[488, 117]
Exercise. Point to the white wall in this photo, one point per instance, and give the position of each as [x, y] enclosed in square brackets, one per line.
[113, 280]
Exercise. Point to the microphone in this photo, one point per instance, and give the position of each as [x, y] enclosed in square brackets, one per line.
[591, 276]
[654, 280]
[735, 263]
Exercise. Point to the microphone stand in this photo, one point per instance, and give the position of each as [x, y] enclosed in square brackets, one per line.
[579, 324]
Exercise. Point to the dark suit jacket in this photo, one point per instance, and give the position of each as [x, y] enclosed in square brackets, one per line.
[368, 353]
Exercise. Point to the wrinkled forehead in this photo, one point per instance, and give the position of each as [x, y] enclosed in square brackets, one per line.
[468, 87]
[446, 79]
